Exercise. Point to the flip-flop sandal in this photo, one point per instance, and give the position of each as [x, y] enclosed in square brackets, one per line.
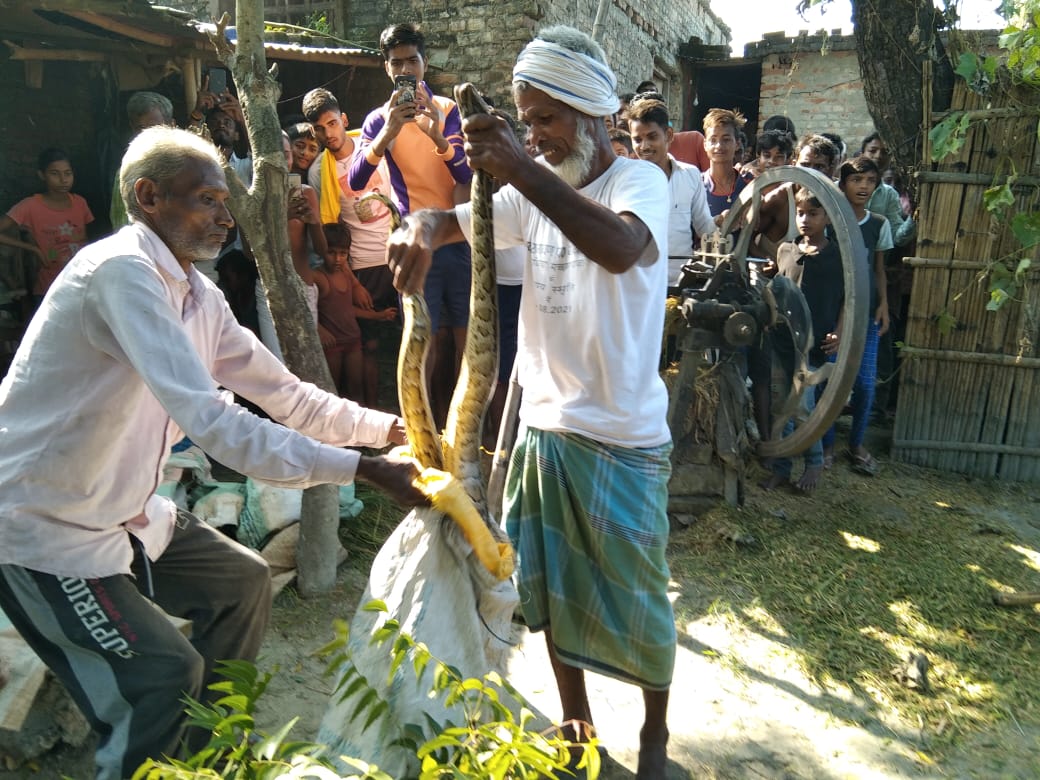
[864, 464]
[828, 460]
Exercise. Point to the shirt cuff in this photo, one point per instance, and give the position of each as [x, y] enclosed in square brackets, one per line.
[447, 154]
[335, 466]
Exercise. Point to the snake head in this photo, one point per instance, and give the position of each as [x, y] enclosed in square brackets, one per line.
[472, 102]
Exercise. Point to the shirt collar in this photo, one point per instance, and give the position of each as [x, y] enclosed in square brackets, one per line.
[179, 283]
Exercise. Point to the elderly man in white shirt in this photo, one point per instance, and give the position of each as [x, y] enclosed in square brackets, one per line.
[587, 487]
[688, 216]
[125, 356]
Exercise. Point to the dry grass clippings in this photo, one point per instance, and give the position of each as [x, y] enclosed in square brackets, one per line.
[867, 572]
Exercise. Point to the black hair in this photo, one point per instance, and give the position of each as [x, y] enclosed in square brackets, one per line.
[51, 154]
[317, 102]
[404, 34]
[775, 139]
[337, 235]
[836, 139]
[875, 136]
[781, 123]
[622, 137]
[803, 195]
[858, 164]
[300, 130]
[648, 109]
[820, 145]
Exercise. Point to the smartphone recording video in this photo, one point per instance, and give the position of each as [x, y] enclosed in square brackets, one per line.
[405, 85]
[217, 80]
[295, 185]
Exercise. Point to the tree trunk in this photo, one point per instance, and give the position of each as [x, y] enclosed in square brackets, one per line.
[262, 214]
[893, 38]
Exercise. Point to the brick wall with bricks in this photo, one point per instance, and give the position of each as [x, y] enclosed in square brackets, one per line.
[814, 80]
[479, 41]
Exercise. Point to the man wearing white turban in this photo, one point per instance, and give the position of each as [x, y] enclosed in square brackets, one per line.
[587, 485]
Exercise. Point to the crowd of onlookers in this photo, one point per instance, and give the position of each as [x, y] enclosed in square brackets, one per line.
[408, 155]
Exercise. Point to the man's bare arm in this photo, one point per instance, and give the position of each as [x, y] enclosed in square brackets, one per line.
[409, 252]
[613, 241]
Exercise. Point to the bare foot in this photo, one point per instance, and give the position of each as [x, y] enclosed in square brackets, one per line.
[773, 482]
[653, 761]
[810, 479]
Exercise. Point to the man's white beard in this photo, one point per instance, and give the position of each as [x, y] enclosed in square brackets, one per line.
[576, 166]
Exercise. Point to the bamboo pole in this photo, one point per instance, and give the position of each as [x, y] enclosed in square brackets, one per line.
[965, 446]
[985, 113]
[983, 358]
[966, 265]
[951, 177]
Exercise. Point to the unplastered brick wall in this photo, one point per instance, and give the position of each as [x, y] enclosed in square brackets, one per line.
[479, 41]
[815, 80]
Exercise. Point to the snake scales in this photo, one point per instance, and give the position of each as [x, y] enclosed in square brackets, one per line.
[458, 451]
[429, 574]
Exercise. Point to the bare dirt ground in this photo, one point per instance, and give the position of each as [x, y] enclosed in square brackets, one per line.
[746, 702]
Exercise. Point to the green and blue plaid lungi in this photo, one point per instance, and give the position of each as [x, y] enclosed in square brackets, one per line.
[589, 524]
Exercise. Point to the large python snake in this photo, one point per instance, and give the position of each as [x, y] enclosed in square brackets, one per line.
[458, 450]
[443, 574]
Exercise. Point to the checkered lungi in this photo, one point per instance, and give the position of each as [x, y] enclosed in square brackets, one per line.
[589, 526]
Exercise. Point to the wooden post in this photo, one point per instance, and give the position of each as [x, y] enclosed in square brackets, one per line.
[262, 212]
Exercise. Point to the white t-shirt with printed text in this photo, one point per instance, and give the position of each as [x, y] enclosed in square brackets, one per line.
[590, 340]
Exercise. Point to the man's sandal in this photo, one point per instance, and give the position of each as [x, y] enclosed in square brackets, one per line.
[864, 464]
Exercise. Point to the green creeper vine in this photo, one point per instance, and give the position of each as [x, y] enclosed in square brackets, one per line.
[1020, 59]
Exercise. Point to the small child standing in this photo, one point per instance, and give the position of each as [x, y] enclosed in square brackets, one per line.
[338, 314]
[814, 264]
[857, 179]
[56, 220]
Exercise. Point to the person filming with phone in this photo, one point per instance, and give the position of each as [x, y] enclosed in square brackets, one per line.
[419, 137]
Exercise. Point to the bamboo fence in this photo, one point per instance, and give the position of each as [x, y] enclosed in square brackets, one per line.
[969, 399]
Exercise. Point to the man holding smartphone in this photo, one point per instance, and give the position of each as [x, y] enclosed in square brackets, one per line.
[420, 141]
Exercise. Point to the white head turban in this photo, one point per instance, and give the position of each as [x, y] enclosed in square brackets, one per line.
[571, 77]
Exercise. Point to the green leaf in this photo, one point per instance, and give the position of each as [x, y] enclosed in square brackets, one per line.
[998, 199]
[998, 296]
[370, 697]
[420, 660]
[945, 322]
[268, 748]
[381, 708]
[353, 688]
[1023, 266]
[1026, 227]
[949, 135]
[968, 66]
[375, 605]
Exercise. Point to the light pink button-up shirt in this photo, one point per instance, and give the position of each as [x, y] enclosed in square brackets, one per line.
[126, 353]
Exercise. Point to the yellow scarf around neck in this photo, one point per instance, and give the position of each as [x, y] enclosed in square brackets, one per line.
[329, 205]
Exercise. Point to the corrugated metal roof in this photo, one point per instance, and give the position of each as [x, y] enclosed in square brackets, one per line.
[345, 56]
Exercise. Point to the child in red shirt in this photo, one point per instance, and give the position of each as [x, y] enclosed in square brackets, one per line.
[55, 220]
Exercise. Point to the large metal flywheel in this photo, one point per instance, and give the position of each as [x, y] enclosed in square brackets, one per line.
[723, 307]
